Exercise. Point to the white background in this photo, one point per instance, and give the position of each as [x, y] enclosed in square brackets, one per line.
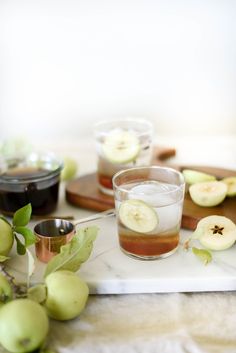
[65, 64]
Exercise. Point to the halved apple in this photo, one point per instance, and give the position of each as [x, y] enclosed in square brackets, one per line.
[208, 194]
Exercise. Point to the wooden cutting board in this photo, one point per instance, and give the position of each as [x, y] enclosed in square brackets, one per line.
[84, 192]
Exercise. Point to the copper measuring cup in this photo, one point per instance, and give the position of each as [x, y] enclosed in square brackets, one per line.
[53, 233]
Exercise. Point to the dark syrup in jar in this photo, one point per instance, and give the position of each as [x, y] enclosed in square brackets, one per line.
[42, 194]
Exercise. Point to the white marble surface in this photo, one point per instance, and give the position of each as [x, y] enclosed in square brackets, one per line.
[109, 271]
[193, 322]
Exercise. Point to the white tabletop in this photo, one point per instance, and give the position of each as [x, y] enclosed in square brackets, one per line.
[173, 322]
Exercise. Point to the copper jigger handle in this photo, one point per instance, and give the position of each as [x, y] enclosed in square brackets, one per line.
[107, 213]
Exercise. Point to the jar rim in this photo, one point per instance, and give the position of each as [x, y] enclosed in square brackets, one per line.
[47, 162]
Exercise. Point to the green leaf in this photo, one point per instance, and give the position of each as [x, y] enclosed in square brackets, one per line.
[73, 254]
[203, 255]
[37, 293]
[21, 250]
[4, 258]
[22, 216]
[28, 235]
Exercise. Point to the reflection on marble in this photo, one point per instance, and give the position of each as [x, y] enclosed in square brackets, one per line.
[109, 270]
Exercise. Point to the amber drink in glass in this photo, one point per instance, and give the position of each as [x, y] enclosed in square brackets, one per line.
[149, 202]
[121, 144]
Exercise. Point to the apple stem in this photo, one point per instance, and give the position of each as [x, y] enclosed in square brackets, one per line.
[18, 289]
[186, 244]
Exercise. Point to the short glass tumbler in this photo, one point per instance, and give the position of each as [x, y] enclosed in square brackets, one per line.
[149, 203]
[121, 144]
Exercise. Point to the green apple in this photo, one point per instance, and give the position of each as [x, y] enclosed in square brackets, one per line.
[6, 292]
[6, 237]
[121, 147]
[193, 176]
[209, 193]
[67, 295]
[69, 170]
[138, 216]
[231, 185]
[216, 232]
[23, 325]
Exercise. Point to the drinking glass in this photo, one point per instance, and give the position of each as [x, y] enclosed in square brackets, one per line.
[149, 202]
[121, 144]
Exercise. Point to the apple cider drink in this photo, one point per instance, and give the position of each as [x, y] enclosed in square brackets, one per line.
[149, 204]
[121, 145]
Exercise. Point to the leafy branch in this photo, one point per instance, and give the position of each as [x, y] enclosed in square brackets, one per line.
[19, 290]
[23, 235]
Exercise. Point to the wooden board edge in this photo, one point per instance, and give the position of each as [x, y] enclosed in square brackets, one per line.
[93, 204]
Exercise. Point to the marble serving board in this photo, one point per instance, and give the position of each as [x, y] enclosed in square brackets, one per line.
[109, 271]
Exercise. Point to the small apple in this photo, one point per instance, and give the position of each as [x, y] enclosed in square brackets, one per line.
[6, 237]
[67, 295]
[6, 292]
[69, 170]
[23, 325]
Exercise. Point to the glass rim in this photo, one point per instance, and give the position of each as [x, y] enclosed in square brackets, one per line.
[148, 123]
[168, 169]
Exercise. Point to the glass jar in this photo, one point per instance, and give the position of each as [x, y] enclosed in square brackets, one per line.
[32, 179]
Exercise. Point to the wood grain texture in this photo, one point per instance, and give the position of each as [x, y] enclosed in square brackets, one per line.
[84, 192]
